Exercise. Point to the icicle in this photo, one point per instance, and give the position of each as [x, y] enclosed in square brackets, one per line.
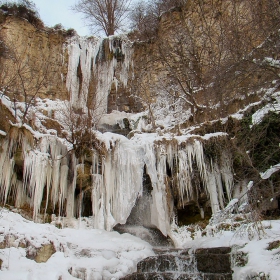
[82, 55]
[82, 52]
[20, 195]
[63, 186]
[6, 171]
[70, 207]
[115, 190]
[226, 172]
[127, 65]
[155, 160]
[55, 181]
[116, 176]
[36, 176]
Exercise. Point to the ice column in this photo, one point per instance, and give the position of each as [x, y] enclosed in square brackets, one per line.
[82, 52]
[117, 182]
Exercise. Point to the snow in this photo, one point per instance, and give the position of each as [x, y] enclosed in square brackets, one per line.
[270, 171]
[253, 240]
[271, 62]
[95, 253]
[5, 100]
[3, 133]
[270, 107]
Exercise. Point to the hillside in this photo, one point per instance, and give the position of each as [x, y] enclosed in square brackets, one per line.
[173, 138]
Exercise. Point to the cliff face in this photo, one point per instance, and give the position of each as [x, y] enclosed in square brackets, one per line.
[116, 74]
[30, 47]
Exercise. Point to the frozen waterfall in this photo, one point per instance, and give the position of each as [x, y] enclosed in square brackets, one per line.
[92, 67]
[49, 177]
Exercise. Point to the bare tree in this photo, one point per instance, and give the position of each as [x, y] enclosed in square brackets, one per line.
[144, 22]
[79, 128]
[212, 52]
[145, 16]
[22, 9]
[104, 15]
[23, 78]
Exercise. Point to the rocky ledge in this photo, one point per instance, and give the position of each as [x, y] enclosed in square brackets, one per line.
[178, 264]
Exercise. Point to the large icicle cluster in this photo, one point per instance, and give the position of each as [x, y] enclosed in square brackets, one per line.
[50, 175]
[89, 58]
[116, 183]
[45, 167]
[118, 180]
[81, 52]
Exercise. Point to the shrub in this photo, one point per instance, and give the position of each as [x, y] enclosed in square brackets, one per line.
[23, 9]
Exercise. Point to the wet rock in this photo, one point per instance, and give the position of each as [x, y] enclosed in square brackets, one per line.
[213, 276]
[150, 235]
[166, 263]
[216, 250]
[157, 276]
[183, 264]
[214, 260]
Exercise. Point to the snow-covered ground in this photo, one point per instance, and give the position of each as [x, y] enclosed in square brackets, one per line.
[81, 250]
[86, 253]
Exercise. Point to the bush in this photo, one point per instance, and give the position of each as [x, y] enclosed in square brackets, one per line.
[23, 9]
[58, 26]
[71, 32]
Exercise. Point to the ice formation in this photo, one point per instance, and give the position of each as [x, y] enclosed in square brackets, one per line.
[81, 52]
[50, 176]
[89, 59]
[45, 171]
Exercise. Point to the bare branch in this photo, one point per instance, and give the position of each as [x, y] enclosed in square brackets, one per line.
[106, 15]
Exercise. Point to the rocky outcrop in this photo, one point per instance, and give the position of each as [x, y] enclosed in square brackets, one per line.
[214, 263]
[130, 92]
[39, 254]
[42, 254]
[208, 264]
[29, 44]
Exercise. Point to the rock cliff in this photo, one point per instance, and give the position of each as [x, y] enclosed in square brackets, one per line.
[55, 161]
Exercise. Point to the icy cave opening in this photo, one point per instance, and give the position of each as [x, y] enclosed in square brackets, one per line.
[139, 221]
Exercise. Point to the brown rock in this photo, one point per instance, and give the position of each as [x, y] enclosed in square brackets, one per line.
[44, 253]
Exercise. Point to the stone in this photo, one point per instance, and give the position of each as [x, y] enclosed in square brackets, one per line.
[213, 276]
[166, 263]
[214, 260]
[180, 264]
[158, 276]
[216, 250]
[42, 254]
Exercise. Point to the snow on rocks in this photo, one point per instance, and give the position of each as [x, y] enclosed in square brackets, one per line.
[270, 107]
[265, 175]
[83, 252]
[255, 252]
